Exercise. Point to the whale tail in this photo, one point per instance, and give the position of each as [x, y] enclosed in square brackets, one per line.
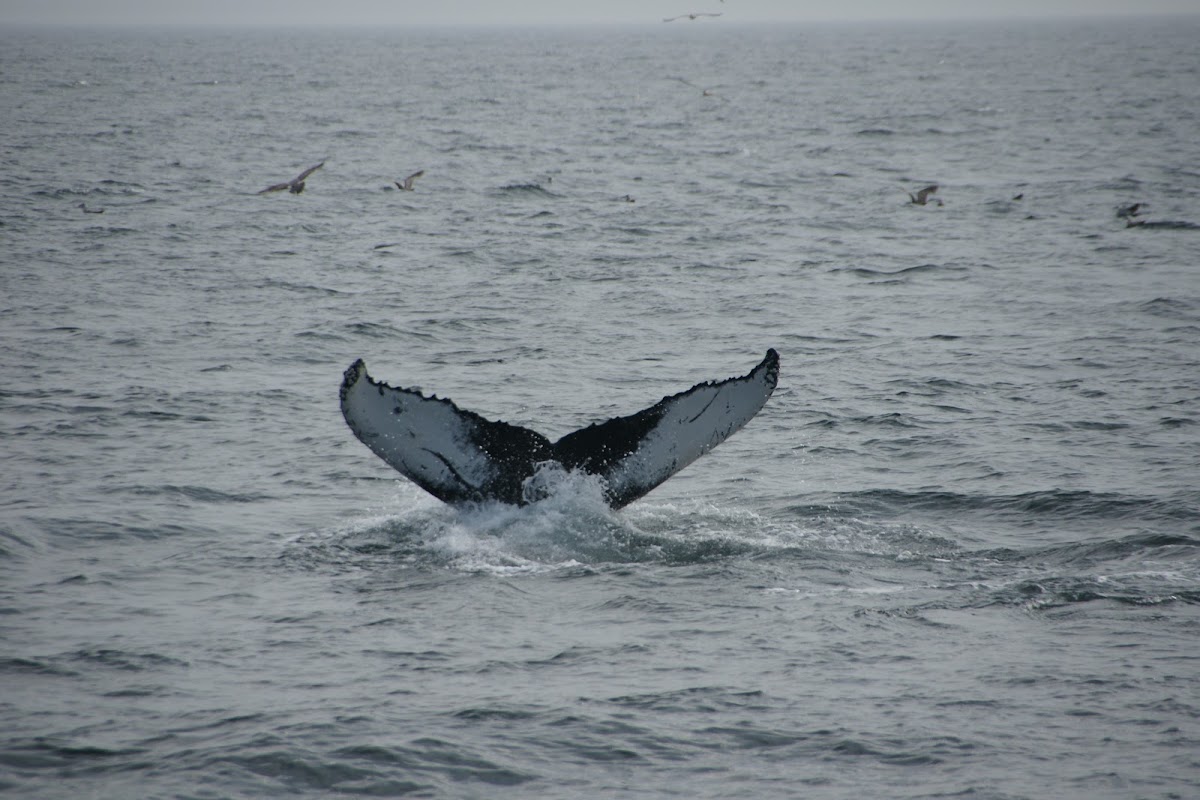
[458, 456]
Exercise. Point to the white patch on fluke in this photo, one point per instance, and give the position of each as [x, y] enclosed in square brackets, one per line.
[691, 424]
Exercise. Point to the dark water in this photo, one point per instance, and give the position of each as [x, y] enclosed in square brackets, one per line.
[957, 555]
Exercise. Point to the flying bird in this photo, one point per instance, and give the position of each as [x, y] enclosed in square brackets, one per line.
[692, 16]
[922, 197]
[1129, 212]
[701, 89]
[407, 184]
[87, 210]
[296, 185]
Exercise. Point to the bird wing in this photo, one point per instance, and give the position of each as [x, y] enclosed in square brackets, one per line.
[308, 172]
[279, 187]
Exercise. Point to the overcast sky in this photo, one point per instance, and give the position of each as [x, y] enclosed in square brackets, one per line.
[524, 12]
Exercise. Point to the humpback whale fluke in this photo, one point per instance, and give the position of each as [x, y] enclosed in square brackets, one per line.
[296, 184]
[460, 457]
[407, 184]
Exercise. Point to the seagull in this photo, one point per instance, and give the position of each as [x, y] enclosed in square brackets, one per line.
[407, 184]
[87, 210]
[1129, 212]
[922, 197]
[702, 90]
[296, 185]
[692, 16]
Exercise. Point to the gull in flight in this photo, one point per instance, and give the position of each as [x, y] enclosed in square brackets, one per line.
[922, 197]
[296, 185]
[701, 89]
[407, 184]
[87, 210]
[693, 15]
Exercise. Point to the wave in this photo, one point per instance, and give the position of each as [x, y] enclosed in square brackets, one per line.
[202, 494]
[1167, 225]
[573, 532]
[524, 190]
[867, 272]
[571, 528]
[1050, 592]
[1138, 547]
[1169, 306]
[1053, 503]
[299, 288]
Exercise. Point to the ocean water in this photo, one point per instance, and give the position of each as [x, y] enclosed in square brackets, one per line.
[956, 555]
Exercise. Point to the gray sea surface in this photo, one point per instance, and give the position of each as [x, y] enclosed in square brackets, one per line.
[956, 555]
